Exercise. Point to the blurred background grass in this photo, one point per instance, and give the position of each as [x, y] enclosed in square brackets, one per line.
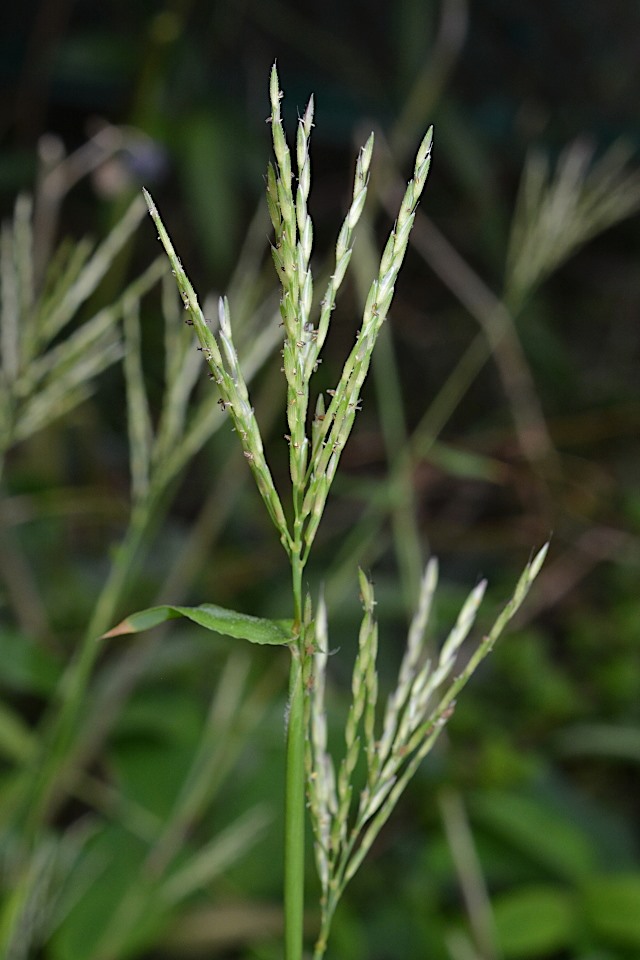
[497, 419]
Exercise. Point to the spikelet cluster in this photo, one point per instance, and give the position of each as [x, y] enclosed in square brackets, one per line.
[414, 716]
[315, 440]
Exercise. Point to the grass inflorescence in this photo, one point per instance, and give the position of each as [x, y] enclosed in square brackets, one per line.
[345, 822]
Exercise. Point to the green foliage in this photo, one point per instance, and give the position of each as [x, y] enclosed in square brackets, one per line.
[610, 903]
[534, 921]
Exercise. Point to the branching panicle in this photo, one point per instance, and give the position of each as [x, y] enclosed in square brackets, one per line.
[416, 712]
[382, 753]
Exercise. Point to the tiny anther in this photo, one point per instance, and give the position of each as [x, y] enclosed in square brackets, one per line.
[249, 456]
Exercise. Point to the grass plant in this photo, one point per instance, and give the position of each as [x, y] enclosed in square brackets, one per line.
[345, 819]
[104, 857]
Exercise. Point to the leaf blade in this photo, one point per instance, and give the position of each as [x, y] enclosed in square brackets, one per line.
[229, 623]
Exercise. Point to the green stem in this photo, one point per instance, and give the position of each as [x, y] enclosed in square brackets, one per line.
[294, 806]
[327, 916]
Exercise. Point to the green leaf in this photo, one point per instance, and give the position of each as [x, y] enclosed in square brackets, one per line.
[534, 921]
[24, 666]
[612, 906]
[111, 904]
[229, 623]
[17, 742]
[154, 745]
[538, 829]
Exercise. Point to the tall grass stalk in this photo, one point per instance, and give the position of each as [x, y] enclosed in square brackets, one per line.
[345, 825]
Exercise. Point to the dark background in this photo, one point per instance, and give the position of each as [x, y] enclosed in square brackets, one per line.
[542, 754]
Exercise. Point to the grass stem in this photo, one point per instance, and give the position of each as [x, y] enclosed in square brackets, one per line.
[294, 804]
